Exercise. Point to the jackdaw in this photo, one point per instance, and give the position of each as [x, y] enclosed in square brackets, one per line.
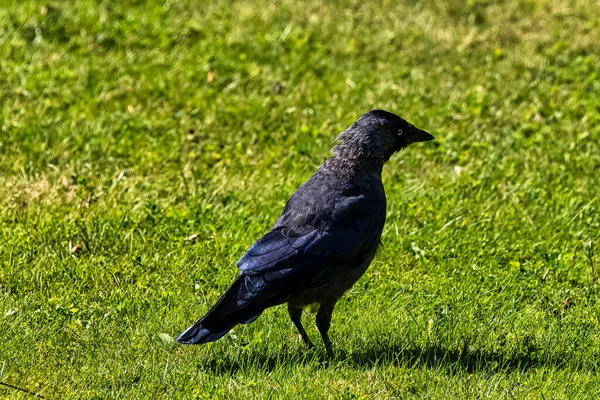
[323, 241]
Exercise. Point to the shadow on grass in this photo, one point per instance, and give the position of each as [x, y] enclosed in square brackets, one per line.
[430, 356]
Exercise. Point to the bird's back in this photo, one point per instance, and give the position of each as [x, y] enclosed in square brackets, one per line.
[348, 207]
[337, 196]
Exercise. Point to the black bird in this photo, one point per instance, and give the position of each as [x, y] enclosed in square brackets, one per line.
[323, 241]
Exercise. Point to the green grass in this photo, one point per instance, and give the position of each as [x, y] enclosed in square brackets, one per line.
[128, 126]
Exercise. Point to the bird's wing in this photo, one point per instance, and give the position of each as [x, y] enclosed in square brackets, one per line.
[277, 249]
[283, 252]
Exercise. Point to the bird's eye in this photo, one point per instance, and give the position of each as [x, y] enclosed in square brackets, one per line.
[399, 132]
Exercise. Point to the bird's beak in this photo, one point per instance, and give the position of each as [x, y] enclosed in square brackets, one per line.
[415, 134]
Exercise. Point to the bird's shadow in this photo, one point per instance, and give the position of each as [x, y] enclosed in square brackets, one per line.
[430, 356]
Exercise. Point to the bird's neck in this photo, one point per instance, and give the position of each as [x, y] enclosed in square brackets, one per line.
[359, 155]
[355, 166]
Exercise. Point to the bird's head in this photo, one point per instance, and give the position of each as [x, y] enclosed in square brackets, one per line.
[376, 136]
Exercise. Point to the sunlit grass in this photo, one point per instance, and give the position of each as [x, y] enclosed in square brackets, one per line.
[126, 127]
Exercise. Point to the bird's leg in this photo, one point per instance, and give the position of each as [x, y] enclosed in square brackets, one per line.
[324, 322]
[296, 316]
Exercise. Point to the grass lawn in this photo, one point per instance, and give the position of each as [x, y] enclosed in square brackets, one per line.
[128, 126]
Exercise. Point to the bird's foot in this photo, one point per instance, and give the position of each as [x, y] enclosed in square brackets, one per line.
[308, 343]
[329, 349]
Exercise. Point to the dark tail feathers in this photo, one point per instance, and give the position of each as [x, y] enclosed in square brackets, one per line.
[234, 307]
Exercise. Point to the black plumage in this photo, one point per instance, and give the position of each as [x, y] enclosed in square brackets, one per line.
[325, 238]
